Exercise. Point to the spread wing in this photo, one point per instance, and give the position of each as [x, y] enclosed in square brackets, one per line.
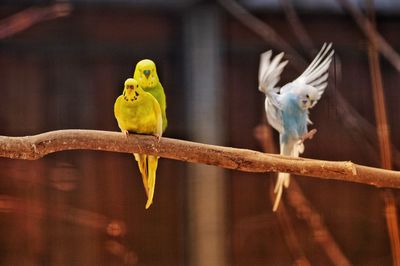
[316, 74]
[268, 76]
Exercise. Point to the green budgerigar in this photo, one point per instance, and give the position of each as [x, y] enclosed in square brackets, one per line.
[146, 74]
[137, 111]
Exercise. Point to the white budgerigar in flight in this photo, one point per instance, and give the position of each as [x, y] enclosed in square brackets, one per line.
[287, 107]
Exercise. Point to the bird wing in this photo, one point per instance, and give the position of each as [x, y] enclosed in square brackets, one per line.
[316, 74]
[116, 107]
[268, 76]
[117, 112]
[158, 113]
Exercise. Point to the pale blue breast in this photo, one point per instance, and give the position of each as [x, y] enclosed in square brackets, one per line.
[294, 118]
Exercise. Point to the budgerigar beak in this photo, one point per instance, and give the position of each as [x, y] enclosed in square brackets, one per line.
[146, 73]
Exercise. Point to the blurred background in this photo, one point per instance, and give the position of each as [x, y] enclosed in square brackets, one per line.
[62, 65]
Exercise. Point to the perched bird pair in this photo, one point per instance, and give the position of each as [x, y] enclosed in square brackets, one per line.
[142, 109]
[287, 108]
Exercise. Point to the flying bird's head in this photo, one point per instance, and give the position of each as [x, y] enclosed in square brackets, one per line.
[146, 73]
[307, 96]
[132, 90]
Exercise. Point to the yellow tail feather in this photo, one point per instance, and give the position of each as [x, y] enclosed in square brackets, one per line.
[142, 163]
[151, 182]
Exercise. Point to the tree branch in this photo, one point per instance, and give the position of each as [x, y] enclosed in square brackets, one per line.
[372, 34]
[31, 16]
[36, 146]
[298, 28]
[263, 30]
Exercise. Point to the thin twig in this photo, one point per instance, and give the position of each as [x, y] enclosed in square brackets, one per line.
[31, 16]
[267, 33]
[304, 37]
[373, 36]
[298, 28]
[36, 146]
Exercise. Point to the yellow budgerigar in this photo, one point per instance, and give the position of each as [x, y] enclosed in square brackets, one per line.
[138, 111]
[146, 74]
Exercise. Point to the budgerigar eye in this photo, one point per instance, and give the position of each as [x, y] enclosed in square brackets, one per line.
[307, 96]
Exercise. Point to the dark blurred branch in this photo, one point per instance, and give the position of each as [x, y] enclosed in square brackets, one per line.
[304, 211]
[66, 213]
[31, 16]
[383, 137]
[310, 215]
[373, 36]
[263, 30]
[264, 135]
[9, 204]
[289, 234]
[297, 26]
[392, 224]
[36, 146]
[382, 126]
[128, 257]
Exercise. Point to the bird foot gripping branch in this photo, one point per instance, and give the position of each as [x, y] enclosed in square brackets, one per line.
[309, 135]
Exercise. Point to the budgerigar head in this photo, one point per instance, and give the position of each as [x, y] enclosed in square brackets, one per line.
[132, 90]
[146, 73]
[307, 96]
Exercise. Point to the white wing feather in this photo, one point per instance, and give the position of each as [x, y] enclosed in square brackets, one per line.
[316, 74]
[268, 76]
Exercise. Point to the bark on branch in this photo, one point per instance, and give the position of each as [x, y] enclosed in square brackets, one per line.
[36, 146]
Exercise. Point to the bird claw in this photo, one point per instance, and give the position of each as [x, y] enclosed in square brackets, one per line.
[158, 136]
[309, 135]
[126, 133]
